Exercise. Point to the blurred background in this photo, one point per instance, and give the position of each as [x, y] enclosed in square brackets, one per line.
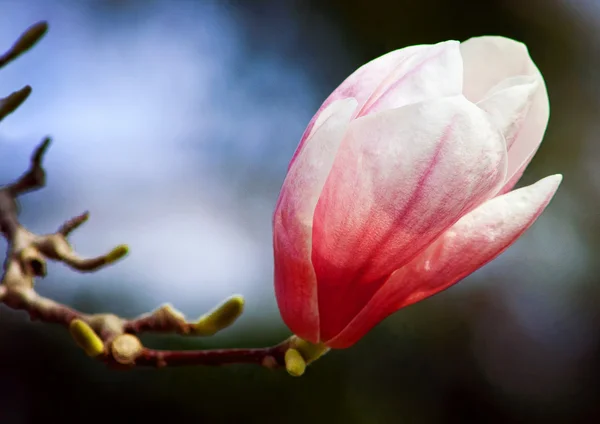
[173, 123]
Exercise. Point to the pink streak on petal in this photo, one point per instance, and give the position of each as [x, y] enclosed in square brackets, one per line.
[295, 281]
[360, 85]
[428, 74]
[400, 179]
[475, 240]
[399, 78]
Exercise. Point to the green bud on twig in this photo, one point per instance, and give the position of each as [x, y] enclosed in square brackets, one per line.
[221, 317]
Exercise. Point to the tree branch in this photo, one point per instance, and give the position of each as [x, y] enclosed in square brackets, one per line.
[108, 337]
[27, 40]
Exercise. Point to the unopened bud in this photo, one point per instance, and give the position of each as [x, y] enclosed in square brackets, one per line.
[86, 338]
[221, 317]
[294, 363]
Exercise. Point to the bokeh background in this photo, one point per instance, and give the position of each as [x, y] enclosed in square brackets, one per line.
[173, 123]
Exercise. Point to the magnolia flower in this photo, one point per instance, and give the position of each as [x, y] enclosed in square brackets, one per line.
[401, 184]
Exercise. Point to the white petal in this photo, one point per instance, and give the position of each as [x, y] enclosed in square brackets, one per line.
[487, 62]
[509, 103]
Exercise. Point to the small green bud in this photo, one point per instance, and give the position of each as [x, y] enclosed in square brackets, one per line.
[86, 338]
[117, 253]
[221, 317]
[294, 363]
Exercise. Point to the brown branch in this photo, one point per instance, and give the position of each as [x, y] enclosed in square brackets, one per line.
[269, 357]
[120, 347]
[108, 337]
[11, 102]
[27, 40]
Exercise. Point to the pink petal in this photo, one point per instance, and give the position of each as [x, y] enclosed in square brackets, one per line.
[399, 78]
[472, 242]
[401, 178]
[487, 62]
[295, 281]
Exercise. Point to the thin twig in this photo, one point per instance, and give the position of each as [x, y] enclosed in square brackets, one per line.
[105, 336]
[27, 40]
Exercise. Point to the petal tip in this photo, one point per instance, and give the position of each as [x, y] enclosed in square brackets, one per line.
[557, 179]
[554, 180]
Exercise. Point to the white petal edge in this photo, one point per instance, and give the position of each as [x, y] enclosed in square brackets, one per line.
[488, 60]
[508, 104]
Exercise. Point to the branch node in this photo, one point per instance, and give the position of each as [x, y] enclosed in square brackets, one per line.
[32, 261]
[269, 362]
[168, 316]
[126, 348]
